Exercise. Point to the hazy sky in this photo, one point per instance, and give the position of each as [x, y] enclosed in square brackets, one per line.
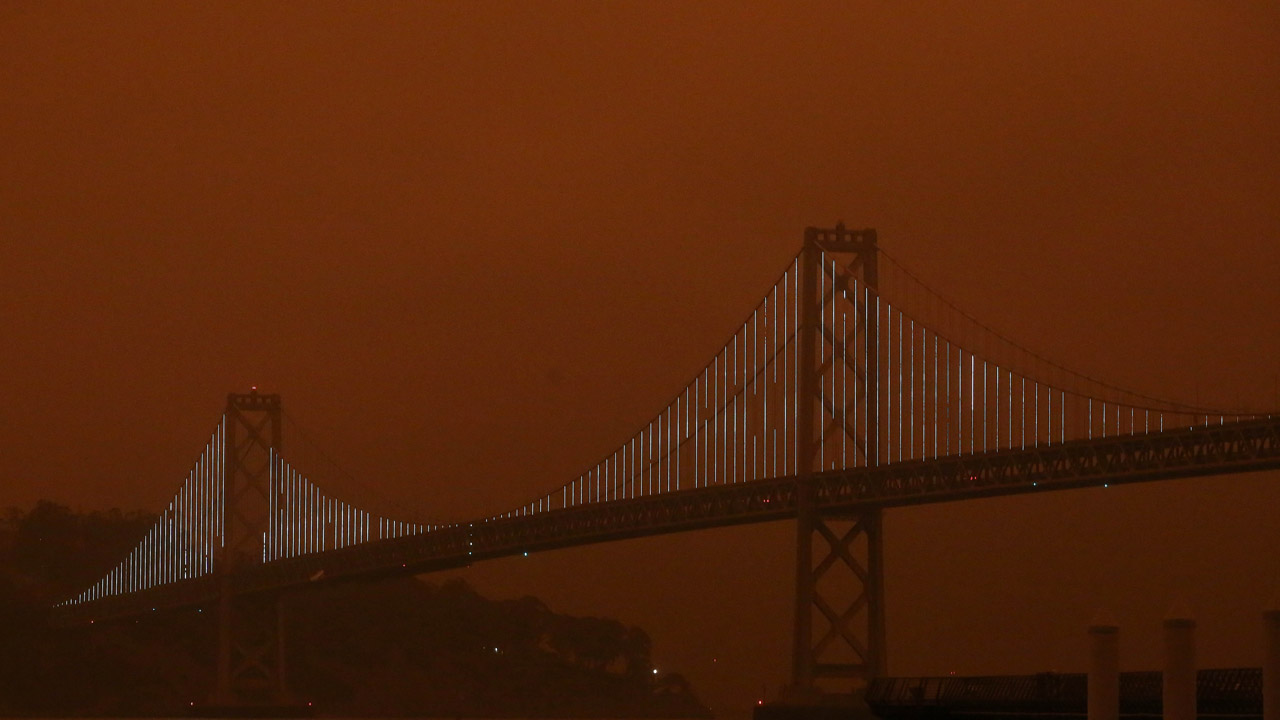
[475, 245]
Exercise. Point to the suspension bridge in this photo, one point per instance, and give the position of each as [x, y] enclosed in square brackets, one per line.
[848, 389]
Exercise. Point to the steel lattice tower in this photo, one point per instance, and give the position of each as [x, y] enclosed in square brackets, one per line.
[251, 669]
[852, 644]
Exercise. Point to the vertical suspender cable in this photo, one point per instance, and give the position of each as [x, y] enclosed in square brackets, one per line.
[887, 373]
[997, 403]
[715, 420]
[786, 370]
[724, 418]
[911, 378]
[732, 440]
[844, 386]
[795, 369]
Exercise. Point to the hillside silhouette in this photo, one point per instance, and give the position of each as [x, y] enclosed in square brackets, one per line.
[401, 647]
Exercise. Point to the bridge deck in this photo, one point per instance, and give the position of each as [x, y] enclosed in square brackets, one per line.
[1197, 451]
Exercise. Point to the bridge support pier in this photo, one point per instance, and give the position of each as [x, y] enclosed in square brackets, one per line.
[1178, 684]
[851, 646]
[1271, 660]
[1103, 692]
[251, 664]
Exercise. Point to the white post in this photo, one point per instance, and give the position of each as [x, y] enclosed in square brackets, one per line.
[1179, 692]
[1271, 661]
[1104, 668]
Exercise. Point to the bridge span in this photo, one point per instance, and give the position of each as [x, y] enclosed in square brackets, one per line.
[849, 388]
[1216, 449]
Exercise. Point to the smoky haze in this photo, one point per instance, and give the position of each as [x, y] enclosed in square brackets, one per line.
[476, 245]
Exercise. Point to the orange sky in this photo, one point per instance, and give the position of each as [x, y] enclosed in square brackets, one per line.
[474, 245]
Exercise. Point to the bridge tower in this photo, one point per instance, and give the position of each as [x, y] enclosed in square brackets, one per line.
[251, 669]
[840, 579]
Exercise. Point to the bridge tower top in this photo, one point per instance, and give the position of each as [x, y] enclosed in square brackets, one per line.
[842, 239]
[253, 438]
[253, 401]
[848, 254]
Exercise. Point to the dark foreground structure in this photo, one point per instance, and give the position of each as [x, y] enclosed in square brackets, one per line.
[1225, 693]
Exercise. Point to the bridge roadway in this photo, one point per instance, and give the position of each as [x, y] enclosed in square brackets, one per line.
[1215, 449]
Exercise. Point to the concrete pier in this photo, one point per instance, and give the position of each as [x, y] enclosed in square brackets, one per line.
[1271, 660]
[1104, 668]
[1178, 694]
